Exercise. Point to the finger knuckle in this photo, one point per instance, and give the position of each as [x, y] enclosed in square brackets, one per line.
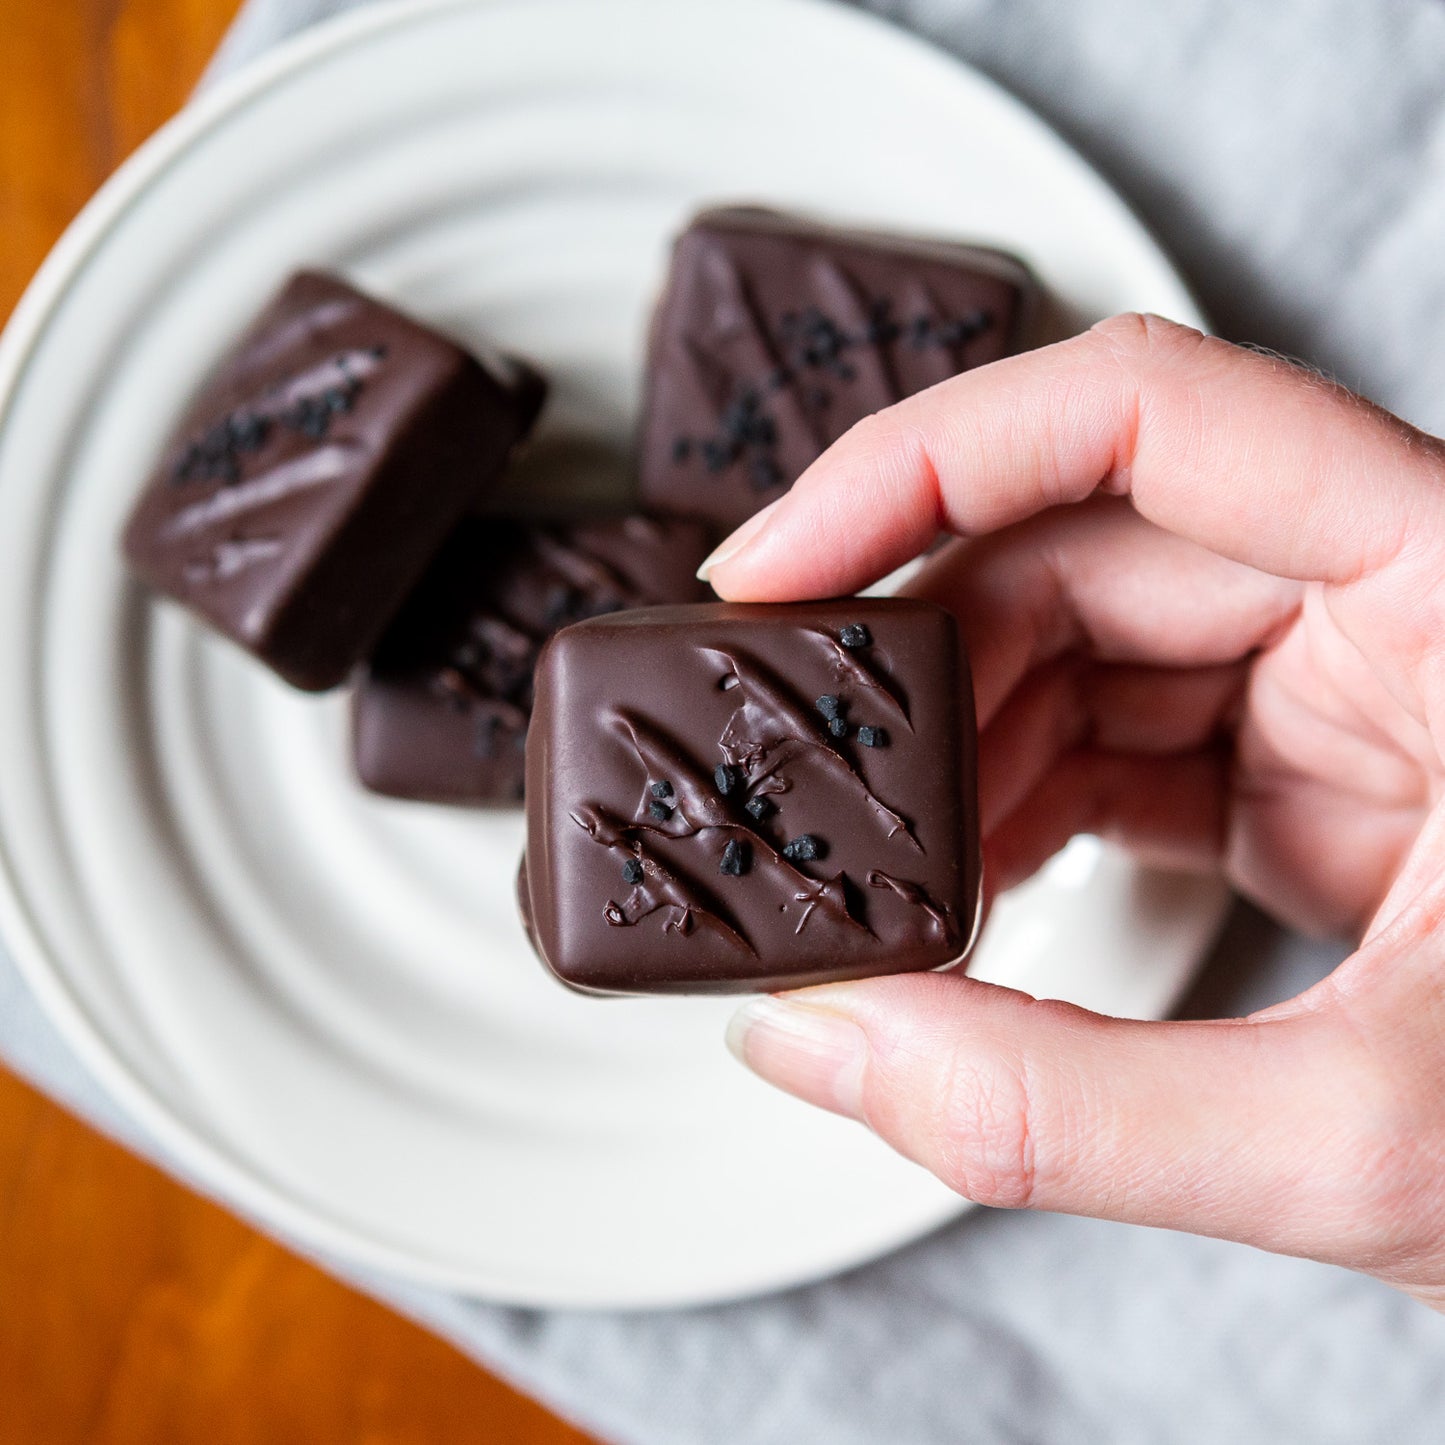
[1142, 338]
[1159, 364]
[983, 1131]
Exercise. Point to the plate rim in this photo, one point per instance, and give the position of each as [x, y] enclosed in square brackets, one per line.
[201, 1161]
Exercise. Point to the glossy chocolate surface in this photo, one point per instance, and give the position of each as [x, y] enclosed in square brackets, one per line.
[314, 477]
[774, 335]
[441, 711]
[706, 813]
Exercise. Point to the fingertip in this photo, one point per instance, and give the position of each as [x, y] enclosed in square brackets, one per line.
[780, 555]
[718, 567]
[815, 1054]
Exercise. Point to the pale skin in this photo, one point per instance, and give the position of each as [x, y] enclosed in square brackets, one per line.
[1204, 597]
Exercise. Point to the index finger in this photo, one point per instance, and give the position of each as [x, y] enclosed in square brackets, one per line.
[1250, 456]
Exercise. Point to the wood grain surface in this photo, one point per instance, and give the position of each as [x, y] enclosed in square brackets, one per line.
[131, 1312]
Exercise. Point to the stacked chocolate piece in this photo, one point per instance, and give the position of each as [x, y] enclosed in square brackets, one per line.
[324, 504]
[441, 711]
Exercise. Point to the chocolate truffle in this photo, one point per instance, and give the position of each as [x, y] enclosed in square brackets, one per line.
[441, 712]
[313, 479]
[775, 334]
[789, 855]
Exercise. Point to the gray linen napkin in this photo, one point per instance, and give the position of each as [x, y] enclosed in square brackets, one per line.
[1292, 157]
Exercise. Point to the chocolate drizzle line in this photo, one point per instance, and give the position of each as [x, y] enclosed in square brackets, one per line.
[318, 468]
[601, 588]
[700, 810]
[915, 894]
[699, 807]
[788, 363]
[864, 319]
[769, 728]
[661, 888]
[775, 372]
[489, 669]
[304, 403]
[861, 672]
[696, 804]
[232, 556]
[773, 726]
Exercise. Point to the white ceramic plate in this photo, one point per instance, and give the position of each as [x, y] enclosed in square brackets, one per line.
[322, 1002]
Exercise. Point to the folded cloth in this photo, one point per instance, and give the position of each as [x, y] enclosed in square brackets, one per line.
[1292, 157]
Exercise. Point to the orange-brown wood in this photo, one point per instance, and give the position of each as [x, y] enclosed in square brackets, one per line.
[133, 1313]
[130, 1310]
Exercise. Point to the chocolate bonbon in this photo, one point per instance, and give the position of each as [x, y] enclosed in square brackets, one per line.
[775, 334]
[789, 855]
[441, 711]
[315, 476]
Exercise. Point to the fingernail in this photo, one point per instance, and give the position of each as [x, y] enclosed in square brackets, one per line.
[817, 1055]
[730, 546]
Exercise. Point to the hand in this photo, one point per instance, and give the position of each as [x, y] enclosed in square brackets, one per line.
[1204, 596]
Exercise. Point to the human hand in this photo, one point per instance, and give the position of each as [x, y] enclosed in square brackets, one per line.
[1204, 596]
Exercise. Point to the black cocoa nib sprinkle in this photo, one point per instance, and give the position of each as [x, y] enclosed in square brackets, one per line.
[814, 345]
[759, 808]
[216, 456]
[718, 456]
[838, 727]
[744, 430]
[872, 737]
[726, 777]
[854, 636]
[805, 848]
[746, 423]
[735, 859]
[662, 790]
[764, 472]
[658, 811]
[248, 431]
[632, 871]
[882, 328]
[817, 341]
[311, 416]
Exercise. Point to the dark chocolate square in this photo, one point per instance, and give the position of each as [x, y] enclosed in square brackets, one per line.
[776, 334]
[864, 859]
[315, 476]
[441, 711]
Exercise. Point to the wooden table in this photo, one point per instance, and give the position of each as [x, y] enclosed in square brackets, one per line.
[131, 1311]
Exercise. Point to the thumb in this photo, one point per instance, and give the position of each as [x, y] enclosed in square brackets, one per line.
[1276, 1132]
